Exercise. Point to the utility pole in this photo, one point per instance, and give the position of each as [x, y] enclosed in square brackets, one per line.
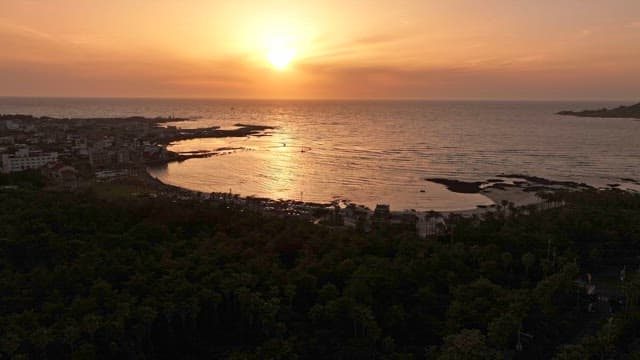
[521, 333]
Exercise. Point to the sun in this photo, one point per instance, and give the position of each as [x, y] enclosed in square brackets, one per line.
[280, 58]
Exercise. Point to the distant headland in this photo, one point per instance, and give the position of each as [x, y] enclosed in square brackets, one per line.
[632, 111]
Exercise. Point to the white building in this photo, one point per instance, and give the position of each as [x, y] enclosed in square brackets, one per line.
[23, 159]
[111, 174]
[12, 125]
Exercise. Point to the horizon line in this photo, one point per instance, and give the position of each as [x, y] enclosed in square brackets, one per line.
[316, 99]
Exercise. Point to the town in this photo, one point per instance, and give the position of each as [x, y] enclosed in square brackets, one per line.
[77, 153]
[79, 149]
[97, 148]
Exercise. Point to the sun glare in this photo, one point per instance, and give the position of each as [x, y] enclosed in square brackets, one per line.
[280, 57]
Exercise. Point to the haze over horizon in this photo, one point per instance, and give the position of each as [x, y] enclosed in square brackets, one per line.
[321, 49]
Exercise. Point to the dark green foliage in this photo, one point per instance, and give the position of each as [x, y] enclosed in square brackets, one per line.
[86, 278]
[468, 345]
[31, 179]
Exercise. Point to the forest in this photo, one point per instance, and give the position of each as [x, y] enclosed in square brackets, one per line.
[85, 277]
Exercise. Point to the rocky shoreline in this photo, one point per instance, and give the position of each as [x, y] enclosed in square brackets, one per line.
[632, 111]
[518, 189]
[242, 130]
[502, 181]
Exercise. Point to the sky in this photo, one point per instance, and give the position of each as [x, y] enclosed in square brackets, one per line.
[422, 49]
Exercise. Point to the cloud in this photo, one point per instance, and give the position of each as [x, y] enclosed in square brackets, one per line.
[8, 27]
[154, 76]
[376, 39]
[319, 80]
[29, 44]
[585, 32]
[359, 67]
[329, 50]
[515, 80]
[369, 40]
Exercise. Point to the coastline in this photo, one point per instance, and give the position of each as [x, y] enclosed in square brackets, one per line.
[629, 112]
[508, 192]
[136, 134]
[518, 194]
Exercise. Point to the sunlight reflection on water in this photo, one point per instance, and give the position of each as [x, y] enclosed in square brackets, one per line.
[378, 151]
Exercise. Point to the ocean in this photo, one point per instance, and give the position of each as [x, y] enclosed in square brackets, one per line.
[370, 152]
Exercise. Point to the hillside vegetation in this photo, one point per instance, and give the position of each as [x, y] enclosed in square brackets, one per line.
[83, 277]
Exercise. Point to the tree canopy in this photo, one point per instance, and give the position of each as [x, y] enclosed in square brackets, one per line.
[84, 277]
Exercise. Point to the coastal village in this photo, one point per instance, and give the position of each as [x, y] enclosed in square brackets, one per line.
[311, 180]
[89, 146]
[110, 157]
[74, 154]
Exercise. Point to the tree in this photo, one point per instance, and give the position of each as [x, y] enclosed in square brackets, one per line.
[572, 352]
[528, 260]
[502, 329]
[475, 304]
[467, 345]
[507, 259]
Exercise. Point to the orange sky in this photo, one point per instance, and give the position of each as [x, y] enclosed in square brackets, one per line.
[455, 49]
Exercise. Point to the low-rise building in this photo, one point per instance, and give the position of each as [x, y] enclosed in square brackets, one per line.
[61, 174]
[382, 211]
[7, 140]
[100, 158]
[12, 125]
[25, 159]
[111, 174]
